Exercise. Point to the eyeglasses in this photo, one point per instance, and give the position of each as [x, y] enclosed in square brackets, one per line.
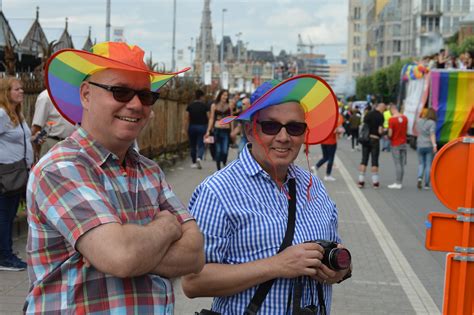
[124, 94]
[273, 128]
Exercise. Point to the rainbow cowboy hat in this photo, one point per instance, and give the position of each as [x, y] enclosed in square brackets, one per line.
[66, 69]
[314, 95]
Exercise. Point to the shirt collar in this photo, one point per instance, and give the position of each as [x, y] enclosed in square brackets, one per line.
[98, 152]
[252, 168]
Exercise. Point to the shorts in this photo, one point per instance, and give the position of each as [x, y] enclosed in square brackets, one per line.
[373, 149]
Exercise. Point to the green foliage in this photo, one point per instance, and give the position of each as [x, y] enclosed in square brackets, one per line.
[454, 49]
[467, 45]
[453, 39]
[384, 83]
[364, 87]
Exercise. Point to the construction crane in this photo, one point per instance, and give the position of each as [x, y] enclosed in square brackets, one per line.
[301, 46]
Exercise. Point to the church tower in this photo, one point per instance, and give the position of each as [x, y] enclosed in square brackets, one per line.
[205, 46]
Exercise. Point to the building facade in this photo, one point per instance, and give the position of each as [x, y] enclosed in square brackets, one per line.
[382, 32]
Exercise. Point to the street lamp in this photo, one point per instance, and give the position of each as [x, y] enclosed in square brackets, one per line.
[222, 43]
[173, 60]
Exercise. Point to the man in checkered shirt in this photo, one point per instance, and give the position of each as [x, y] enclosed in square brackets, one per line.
[106, 231]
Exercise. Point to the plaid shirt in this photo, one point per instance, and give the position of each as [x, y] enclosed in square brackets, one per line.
[77, 186]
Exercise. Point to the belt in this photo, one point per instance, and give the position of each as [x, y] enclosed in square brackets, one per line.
[56, 138]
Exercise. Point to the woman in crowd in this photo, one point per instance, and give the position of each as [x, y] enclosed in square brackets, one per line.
[426, 146]
[220, 109]
[14, 139]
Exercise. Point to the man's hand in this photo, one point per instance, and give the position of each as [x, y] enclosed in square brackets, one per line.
[168, 221]
[299, 260]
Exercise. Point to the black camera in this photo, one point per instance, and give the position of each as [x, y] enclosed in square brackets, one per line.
[335, 258]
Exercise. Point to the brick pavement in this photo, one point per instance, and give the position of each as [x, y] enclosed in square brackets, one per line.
[373, 289]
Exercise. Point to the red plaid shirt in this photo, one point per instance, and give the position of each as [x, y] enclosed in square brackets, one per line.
[77, 186]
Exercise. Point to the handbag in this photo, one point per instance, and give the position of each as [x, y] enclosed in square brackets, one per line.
[209, 140]
[14, 176]
[265, 287]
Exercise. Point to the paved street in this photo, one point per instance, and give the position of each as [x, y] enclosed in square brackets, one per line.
[384, 229]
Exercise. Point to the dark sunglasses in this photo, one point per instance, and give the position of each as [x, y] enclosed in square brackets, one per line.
[124, 94]
[273, 127]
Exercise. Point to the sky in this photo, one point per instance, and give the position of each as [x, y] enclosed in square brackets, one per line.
[263, 24]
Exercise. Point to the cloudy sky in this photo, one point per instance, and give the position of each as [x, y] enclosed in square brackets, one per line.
[149, 23]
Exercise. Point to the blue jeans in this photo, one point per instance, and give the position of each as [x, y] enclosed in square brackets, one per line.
[425, 157]
[196, 141]
[329, 151]
[222, 141]
[8, 209]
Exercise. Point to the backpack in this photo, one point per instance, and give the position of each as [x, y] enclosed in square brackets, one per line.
[364, 137]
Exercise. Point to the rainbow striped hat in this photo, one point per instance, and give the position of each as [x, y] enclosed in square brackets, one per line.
[314, 95]
[66, 69]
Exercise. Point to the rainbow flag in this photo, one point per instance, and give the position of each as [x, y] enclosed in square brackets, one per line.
[452, 96]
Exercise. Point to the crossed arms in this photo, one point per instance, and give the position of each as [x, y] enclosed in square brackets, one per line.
[163, 247]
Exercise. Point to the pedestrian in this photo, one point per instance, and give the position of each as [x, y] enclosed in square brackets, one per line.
[15, 144]
[397, 132]
[426, 146]
[374, 119]
[106, 232]
[220, 109]
[441, 59]
[47, 119]
[239, 129]
[328, 148]
[354, 124]
[198, 119]
[385, 140]
[243, 210]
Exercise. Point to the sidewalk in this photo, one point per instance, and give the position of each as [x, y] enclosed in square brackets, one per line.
[375, 288]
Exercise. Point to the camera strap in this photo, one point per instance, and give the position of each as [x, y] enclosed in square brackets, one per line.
[265, 287]
[322, 303]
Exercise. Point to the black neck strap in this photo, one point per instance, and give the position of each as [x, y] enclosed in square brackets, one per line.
[265, 287]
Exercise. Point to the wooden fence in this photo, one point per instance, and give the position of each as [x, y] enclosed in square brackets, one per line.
[165, 137]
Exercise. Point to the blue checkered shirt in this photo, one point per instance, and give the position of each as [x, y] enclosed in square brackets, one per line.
[243, 216]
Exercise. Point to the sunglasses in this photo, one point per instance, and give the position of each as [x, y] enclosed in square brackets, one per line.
[124, 94]
[273, 128]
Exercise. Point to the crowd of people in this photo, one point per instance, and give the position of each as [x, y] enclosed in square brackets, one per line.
[388, 131]
[444, 60]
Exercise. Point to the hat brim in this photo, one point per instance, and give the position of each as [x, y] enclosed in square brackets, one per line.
[66, 69]
[312, 93]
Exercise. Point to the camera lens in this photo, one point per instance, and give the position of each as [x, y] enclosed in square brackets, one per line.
[339, 258]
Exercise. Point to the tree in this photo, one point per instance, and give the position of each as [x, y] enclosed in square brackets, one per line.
[468, 45]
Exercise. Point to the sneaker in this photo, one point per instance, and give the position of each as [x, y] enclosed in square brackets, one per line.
[12, 263]
[376, 185]
[419, 184]
[194, 165]
[427, 187]
[198, 162]
[314, 170]
[395, 186]
[329, 178]
[360, 184]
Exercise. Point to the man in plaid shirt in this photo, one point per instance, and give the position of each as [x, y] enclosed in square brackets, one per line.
[106, 232]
